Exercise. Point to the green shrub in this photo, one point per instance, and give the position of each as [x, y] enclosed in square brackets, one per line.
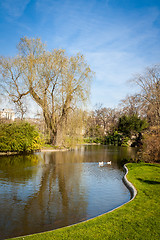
[114, 138]
[19, 137]
[125, 142]
[88, 140]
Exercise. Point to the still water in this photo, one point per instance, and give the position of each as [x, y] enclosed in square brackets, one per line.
[49, 190]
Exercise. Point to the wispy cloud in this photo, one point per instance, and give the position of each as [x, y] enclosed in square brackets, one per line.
[14, 8]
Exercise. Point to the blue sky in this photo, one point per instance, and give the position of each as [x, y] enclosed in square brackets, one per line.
[118, 38]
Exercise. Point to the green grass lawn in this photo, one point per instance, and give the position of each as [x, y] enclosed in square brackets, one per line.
[138, 219]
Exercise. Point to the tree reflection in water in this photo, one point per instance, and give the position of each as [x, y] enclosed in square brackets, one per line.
[37, 190]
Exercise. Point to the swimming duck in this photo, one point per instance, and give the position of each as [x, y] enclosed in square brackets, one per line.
[101, 163]
[109, 163]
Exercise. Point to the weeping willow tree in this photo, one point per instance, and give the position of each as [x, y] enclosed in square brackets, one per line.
[58, 83]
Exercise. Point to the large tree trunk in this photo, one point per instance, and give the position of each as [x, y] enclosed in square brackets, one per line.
[58, 138]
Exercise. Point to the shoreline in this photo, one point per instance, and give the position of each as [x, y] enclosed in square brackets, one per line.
[53, 150]
[9, 153]
[40, 150]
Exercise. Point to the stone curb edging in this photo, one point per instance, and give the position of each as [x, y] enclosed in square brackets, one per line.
[129, 185]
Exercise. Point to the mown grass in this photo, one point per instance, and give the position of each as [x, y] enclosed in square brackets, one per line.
[138, 219]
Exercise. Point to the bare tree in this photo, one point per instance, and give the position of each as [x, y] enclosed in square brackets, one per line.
[11, 72]
[106, 118]
[149, 83]
[101, 121]
[131, 105]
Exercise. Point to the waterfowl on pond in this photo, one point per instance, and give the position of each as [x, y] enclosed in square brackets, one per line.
[109, 163]
[101, 163]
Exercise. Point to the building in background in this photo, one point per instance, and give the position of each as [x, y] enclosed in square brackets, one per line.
[7, 114]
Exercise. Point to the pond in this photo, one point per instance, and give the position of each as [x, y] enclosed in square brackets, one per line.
[49, 190]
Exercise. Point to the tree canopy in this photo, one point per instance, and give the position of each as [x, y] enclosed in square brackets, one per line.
[129, 125]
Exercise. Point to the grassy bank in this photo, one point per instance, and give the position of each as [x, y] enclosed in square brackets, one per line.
[138, 219]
